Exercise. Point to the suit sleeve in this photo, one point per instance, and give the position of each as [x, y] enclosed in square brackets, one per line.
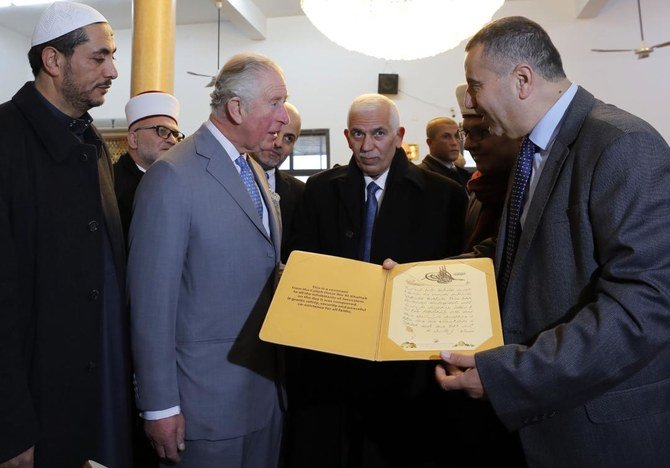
[626, 324]
[158, 241]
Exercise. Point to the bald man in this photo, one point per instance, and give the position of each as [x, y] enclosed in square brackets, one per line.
[288, 188]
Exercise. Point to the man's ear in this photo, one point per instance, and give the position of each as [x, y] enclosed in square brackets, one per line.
[346, 135]
[400, 134]
[131, 138]
[235, 110]
[524, 79]
[52, 61]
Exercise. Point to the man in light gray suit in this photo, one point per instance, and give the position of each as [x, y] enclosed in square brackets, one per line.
[204, 252]
[585, 290]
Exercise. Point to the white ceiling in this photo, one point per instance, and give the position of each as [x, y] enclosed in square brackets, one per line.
[118, 12]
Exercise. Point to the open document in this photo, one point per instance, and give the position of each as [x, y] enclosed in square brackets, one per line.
[358, 309]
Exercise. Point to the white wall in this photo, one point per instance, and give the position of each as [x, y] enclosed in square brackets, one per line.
[323, 78]
[14, 62]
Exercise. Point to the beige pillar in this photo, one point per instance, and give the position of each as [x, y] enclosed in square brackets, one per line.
[153, 46]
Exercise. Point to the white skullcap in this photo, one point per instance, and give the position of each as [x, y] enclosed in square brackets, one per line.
[61, 18]
[150, 104]
[460, 97]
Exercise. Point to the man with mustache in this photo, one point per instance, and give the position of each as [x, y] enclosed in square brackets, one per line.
[152, 130]
[288, 188]
[494, 156]
[204, 254]
[64, 365]
[349, 412]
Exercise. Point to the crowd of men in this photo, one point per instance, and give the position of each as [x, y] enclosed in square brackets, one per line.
[132, 295]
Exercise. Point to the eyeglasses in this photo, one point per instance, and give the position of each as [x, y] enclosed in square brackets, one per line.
[164, 132]
[475, 134]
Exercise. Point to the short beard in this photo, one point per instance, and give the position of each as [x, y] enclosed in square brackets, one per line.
[75, 95]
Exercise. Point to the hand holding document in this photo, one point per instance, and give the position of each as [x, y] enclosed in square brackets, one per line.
[358, 309]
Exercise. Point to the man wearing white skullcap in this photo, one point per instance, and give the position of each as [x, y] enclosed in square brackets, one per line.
[65, 394]
[152, 130]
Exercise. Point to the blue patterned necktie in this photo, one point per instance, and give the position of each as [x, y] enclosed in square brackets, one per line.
[250, 184]
[370, 214]
[514, 210]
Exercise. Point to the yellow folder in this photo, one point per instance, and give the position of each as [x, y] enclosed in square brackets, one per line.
[358, 309]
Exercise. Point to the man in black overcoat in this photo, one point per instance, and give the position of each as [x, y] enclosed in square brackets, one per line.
[348, 412]
[152, 130]
[64, 352]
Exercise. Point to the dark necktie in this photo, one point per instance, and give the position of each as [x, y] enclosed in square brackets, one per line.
[514, 210]
[250, 184]
[370, 214]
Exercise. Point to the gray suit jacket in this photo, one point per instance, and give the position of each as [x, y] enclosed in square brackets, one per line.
[586, 372]
[202, 270]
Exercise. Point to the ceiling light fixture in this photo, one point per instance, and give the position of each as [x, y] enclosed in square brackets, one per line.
[399, 29]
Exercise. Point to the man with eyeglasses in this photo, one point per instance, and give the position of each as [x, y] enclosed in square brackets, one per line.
[494, 156]
[152, 130]
[443, 140]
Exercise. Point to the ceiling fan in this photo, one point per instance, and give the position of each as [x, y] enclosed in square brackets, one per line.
[643, 50]
[212, 80]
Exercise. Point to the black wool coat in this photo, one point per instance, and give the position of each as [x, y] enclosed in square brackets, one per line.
[52, 229]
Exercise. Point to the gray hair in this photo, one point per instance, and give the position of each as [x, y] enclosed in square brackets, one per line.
[374, 102]
[513, 40]
[239, 78]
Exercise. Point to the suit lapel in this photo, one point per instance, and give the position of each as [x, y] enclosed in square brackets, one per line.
[222, 168]
[572, 122]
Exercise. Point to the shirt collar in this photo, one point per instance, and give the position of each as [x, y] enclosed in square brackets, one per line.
[76, 126]
[547, 128]
[225, 142]
[449, 165]
[380, 181]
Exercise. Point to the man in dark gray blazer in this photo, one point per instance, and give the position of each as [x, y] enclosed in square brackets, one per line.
[585, 373]
[288, 188]
[204, 252]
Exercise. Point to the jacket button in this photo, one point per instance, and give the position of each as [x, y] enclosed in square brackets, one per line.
[91, 366]
[84, 157]
[93, 226]
[349, 234]
[94, 294]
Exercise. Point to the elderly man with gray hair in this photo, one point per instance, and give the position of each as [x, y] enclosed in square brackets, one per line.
[378, 206]
[204, 251]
